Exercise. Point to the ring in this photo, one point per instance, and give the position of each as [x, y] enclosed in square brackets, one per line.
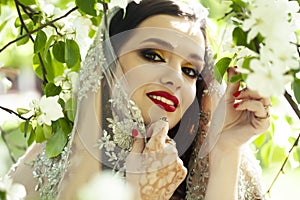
[164, 119]
[266, 107]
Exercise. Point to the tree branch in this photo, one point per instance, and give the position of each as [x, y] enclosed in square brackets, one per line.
[283, 164]
[13, 112]
[293, 104]
[31, 38]
[37, 29]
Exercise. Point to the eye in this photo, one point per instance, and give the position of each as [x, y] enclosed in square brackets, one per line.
[190, 72]
[152, 55]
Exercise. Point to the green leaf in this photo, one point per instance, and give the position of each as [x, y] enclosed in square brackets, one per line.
[36, 66]
[50, 72]
[221, 67]
[27, 2]
[22, 32]
[25, 127]
[23, 40]
[3, 24]
[236, 78]
[296, 88]
[72, 53]
[265, 153]
[18, 21]
[87, 6]
[31, 137]
[217, 9]
[40, 41]
[48, 45]
[22, 111]
[56, 144]
[2, 194]
[239, 37]
[47, 131]
[70, 108]
[52, 90]
[260, 141]
[39, 137]
[59, 51]
[65, 126]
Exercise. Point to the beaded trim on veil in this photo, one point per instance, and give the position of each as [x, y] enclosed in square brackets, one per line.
[116, 141]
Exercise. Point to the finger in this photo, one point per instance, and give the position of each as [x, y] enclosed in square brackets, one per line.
[138, 143]
[255, 106]
[134, 159]
[231, 87]
[250, 94]
[159, 135]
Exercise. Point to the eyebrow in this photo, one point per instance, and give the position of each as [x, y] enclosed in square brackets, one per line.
[171, 47]
[160, 42]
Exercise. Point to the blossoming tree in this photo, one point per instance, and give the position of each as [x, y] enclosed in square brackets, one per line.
[261, 37]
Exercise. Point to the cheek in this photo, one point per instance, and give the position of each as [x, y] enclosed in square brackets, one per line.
[188, 96]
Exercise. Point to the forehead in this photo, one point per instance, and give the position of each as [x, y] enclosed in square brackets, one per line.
[176, 34]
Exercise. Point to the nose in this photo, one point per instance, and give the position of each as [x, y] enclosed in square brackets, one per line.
[172, 79]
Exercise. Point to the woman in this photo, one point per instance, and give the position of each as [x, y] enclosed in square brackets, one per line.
[146, 95]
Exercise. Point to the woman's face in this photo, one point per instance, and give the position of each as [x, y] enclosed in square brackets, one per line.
[161, 61]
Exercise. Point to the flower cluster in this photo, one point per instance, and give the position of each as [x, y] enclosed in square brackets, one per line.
[10, 190]
[68, 83]
[45, 110]
[276, 21]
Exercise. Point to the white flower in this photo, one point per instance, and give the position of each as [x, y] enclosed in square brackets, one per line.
[266, 80]
[69, 84]
[284, 56]
[242, 53]
[271, 18]
[46, 109]
[106, 186]
[13, 191]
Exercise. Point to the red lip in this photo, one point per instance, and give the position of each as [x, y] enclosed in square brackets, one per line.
[166, 95]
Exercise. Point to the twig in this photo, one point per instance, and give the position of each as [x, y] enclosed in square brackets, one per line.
[31, 38]
[13, 112]
[283, 164]
[293, 104]
[37, 29]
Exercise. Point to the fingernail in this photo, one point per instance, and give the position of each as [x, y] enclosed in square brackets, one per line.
[236, 94]
[134, 133]
[236, 105]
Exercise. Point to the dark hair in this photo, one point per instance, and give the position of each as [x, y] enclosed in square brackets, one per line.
[136, 14]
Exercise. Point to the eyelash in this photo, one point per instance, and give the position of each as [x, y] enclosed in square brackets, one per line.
[152, 56]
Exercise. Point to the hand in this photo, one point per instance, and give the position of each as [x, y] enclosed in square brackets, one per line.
[155, 170]
[245, 115]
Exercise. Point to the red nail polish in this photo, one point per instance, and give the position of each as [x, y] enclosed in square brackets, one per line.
[134, 133]
[236, 94]
[236, 105]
